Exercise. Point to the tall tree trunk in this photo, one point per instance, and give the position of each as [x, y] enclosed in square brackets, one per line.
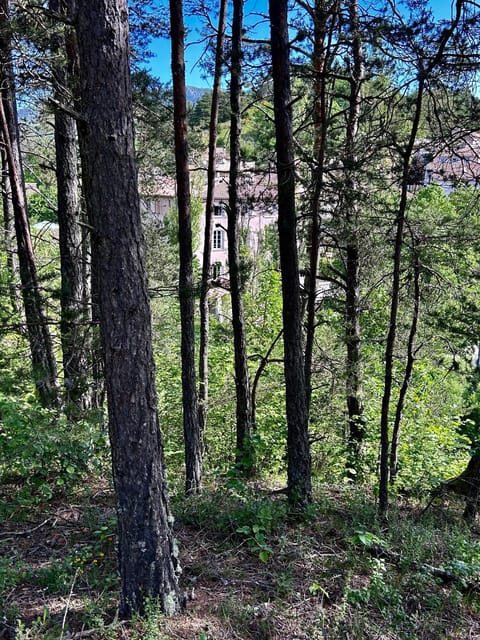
[351, 205]
[9, 234]
[242, 382]
[394, 303]
[146, 547]
[72, 325]
[191, 426]
[43, 360]
[425, 70]
[407, 376]
[298, 447]
[91, 314]
[322, 12]
[207, 244]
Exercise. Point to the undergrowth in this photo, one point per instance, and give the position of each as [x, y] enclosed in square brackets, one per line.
[253, 572]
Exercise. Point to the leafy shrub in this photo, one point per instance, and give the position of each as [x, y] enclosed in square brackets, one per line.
[42, 451]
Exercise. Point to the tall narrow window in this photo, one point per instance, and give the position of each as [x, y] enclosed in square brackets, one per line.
[218, 239]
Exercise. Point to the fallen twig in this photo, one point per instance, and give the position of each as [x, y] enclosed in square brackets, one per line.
[26, 532]
[67, 607]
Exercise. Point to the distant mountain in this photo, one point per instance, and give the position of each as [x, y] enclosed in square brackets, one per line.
[195, 93]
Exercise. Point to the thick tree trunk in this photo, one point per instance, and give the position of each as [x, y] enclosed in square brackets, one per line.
[244, 454]
[207, 244]
[298, 447]
[43, 359]
[72, 325]
[146, 547]
[191, 426]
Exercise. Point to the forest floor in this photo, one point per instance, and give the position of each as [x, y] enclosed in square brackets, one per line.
[250, 573]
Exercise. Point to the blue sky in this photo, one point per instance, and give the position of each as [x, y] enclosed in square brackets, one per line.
[159, 64]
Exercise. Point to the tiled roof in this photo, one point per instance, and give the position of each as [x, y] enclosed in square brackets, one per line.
[158, 186]
[458, 163]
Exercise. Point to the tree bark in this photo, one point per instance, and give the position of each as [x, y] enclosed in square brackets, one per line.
[325, 17]
[43, 360]
[351, 205]
[93, 346]
[244, 454]
[191, 425]
[320, 16]
[298, 447]
[9, 235]
[146, 547]
[207, 244]
[72, 322]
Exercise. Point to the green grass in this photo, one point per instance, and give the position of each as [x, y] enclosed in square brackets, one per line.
[338, 572]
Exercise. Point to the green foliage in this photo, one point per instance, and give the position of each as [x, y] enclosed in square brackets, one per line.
[229, 510]
[379, 592]
[55, 578]
[464, 562]
[94, 559]
[40, 629]
[149, 625]
[199, 115]
[367, 539]
[161, 241]
[12, 572]
[42, 205]
[256, 540]
[152, 103]
[258, 139]
[40, 449]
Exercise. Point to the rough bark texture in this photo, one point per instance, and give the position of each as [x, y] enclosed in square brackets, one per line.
[93, 344]
[191, 426]
[319, 62]
[43, 360]
[242, 381]
[72, 326]
[9, 234]
[146, 547]
[298, 448]
[207, 244]
[351, 205]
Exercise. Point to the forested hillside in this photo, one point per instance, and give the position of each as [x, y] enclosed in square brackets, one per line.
[239, 326]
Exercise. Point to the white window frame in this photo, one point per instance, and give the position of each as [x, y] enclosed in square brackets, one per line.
[217, 240]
